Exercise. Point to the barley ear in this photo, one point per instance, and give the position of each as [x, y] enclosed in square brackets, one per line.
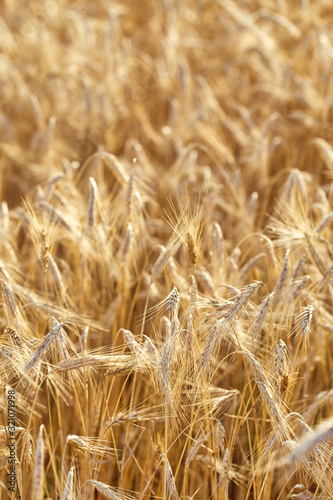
[38, 474]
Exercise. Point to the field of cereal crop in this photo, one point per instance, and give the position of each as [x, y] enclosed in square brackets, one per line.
[166, 255]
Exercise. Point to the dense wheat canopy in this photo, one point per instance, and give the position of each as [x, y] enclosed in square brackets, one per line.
[166, 254]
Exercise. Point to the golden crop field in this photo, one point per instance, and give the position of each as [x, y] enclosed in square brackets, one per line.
[166, 254]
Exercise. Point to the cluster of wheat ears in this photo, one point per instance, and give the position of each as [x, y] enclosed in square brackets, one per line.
[166, 258]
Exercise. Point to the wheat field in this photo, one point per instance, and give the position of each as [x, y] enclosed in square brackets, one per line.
[166, 258]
